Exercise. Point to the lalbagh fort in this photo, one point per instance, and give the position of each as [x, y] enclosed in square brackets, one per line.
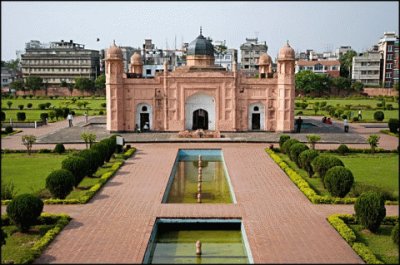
[201, 94]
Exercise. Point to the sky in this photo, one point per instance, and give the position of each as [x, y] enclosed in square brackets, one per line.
[321, 26]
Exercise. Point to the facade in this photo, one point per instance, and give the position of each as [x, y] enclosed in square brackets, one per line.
[330, 67]
[59, 61]
[367, 68]
[200, 95]
[7, 76]
[387, 48]
[250, 52]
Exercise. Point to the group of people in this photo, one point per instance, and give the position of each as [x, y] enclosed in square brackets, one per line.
[326, 120]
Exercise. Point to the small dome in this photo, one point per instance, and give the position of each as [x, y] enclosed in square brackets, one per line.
[286, 52]
[264, 59]
[136, 58]
[114, 52]
[201, 46]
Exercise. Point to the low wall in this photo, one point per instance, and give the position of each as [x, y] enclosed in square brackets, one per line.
[371, 91]
[62, 92]
[22, 124]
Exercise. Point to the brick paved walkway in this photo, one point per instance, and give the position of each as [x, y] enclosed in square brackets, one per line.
[282, 226]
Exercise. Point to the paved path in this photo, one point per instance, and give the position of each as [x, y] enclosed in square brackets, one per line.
[282, 226]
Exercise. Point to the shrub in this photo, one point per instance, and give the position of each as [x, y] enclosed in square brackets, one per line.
[44, 116]
[29, 105]
[47, 104]
[101, 112]
[295, 150]
[322, 163]
[394, 125]
[379, 105]
[59, 113]
[21, 116]
[52, 114]
[373, 141]
[2, 116]
[338, 180]
[9, 129]
[102, 148]
[3, 237]
[395, 233]
[24, 210]
[89, 138]
[360, 188]
[59, 148]
[343, 149]
[92, 158]
[21, 107]
[287, 144]
[112, 146]
[77, 166]
[370, 210]
[304, 105]
[389, 107]
[28, 141]
[8, 191]
[65, 112]
[60, 183]
[355, 118]
[313, 139]
[72, 112]
[344, 116]
[305, 159]
[379, 115]
[42, 106]
[282, 139]
[103, 105]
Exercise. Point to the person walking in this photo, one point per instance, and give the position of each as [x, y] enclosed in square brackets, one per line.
[346, 125]
[359, 115]
[299, 121]
[69, 118]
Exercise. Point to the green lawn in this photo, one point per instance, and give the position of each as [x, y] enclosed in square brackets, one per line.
[367, 115]
[60, 102]
[353, 102]
[380, 243]
[380, 170]
[28, 172]
[34, 115]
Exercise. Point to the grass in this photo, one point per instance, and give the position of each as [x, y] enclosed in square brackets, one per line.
[390, 133]
[60, 102]
[380, 170]
[4, 134]
[29, 172]
[368, 115]
[34, 115]
[380, 243]
[353, 102]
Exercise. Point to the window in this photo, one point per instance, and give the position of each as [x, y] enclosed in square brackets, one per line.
[334, 68]
[389, 57]
[144, 108]
[389, 66]
[390, 48]
[227, 57]
[256, 108]
[148, 71]
[388, 75]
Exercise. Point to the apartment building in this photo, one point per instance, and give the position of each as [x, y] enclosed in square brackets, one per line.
[387, 48]
[330, 67]
[367, 68]
[250, 52]
[59, 61]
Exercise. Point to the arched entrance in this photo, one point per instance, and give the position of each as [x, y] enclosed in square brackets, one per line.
[200, 112]
[200, 119]
[143, 116]
[256, 117]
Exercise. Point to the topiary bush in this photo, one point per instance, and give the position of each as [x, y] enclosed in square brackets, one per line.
[287, 144]
[379, 115]
[29, 105]
[21, 107]
[338, 181]
[394, 125]
[9, 129]
[60, 183]
[102, 148]
[322, 163]
[92, 158]
[42, 106]
[295, 150]
[59, 148]
[343, 149]
[305, 159]
[44, 116]
[395, 233]
[24, 210]
[282, 139]
[2, 116]
[77, 166]
[370, 210]
[21, 116]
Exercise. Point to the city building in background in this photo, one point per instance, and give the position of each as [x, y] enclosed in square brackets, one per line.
[329, 67]
[59, 61]
[366, 68]
[7, 76]
[387, 48]
[250, 52]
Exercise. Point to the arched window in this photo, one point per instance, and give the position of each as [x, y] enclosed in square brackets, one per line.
[256, 108]
[144, 108]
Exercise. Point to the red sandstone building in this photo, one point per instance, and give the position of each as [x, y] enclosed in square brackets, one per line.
[200, 95]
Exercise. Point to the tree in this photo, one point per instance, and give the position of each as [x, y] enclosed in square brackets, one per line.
[9, 104]
[89, 138]
[18, 85]
[313, 139]
[24, 210]
[28, 141]
[84, 84]
[373, 141]
[34, 83]
[307, 81]
[100, 82]
[11, 64]
[346, 63]
[341, 83]
[370, 210]
[357, 86]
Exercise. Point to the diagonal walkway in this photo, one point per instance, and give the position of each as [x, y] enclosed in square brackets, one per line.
[282, 226]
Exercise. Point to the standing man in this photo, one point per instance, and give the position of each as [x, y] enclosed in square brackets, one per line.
[359, 115]
[86, 117]
[346, 125]
[299, 121]
[69, 117]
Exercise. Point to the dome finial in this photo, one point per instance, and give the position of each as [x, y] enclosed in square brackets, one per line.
[287, 42]
[201, 30]
[114, 43]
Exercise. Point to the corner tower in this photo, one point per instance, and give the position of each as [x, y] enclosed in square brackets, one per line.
[114, 89]
[286, 95]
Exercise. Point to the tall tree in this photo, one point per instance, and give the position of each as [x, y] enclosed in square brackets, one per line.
[34, 83]
[341, 83]
[100, 82]
[346, 63]
[18, 84]
[83, 83]
[307, 81]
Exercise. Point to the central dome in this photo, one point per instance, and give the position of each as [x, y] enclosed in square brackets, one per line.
[201, 46]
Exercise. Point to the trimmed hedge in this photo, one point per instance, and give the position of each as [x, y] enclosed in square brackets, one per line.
[305, 159]
[59, 148]
[322, 163]
[395, 233]
[60, 183]
[343, 149]
[21, 116]
[287, 144]
[93, 160]
[370, 210]
[338, 181]
[24, 210]
[295, 150]
[282, 139]
[77, 166]
[394, 125]
[379, 115]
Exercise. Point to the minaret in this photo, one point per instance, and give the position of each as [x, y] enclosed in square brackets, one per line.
[114, 89]
[136, 65]
[286, 93]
